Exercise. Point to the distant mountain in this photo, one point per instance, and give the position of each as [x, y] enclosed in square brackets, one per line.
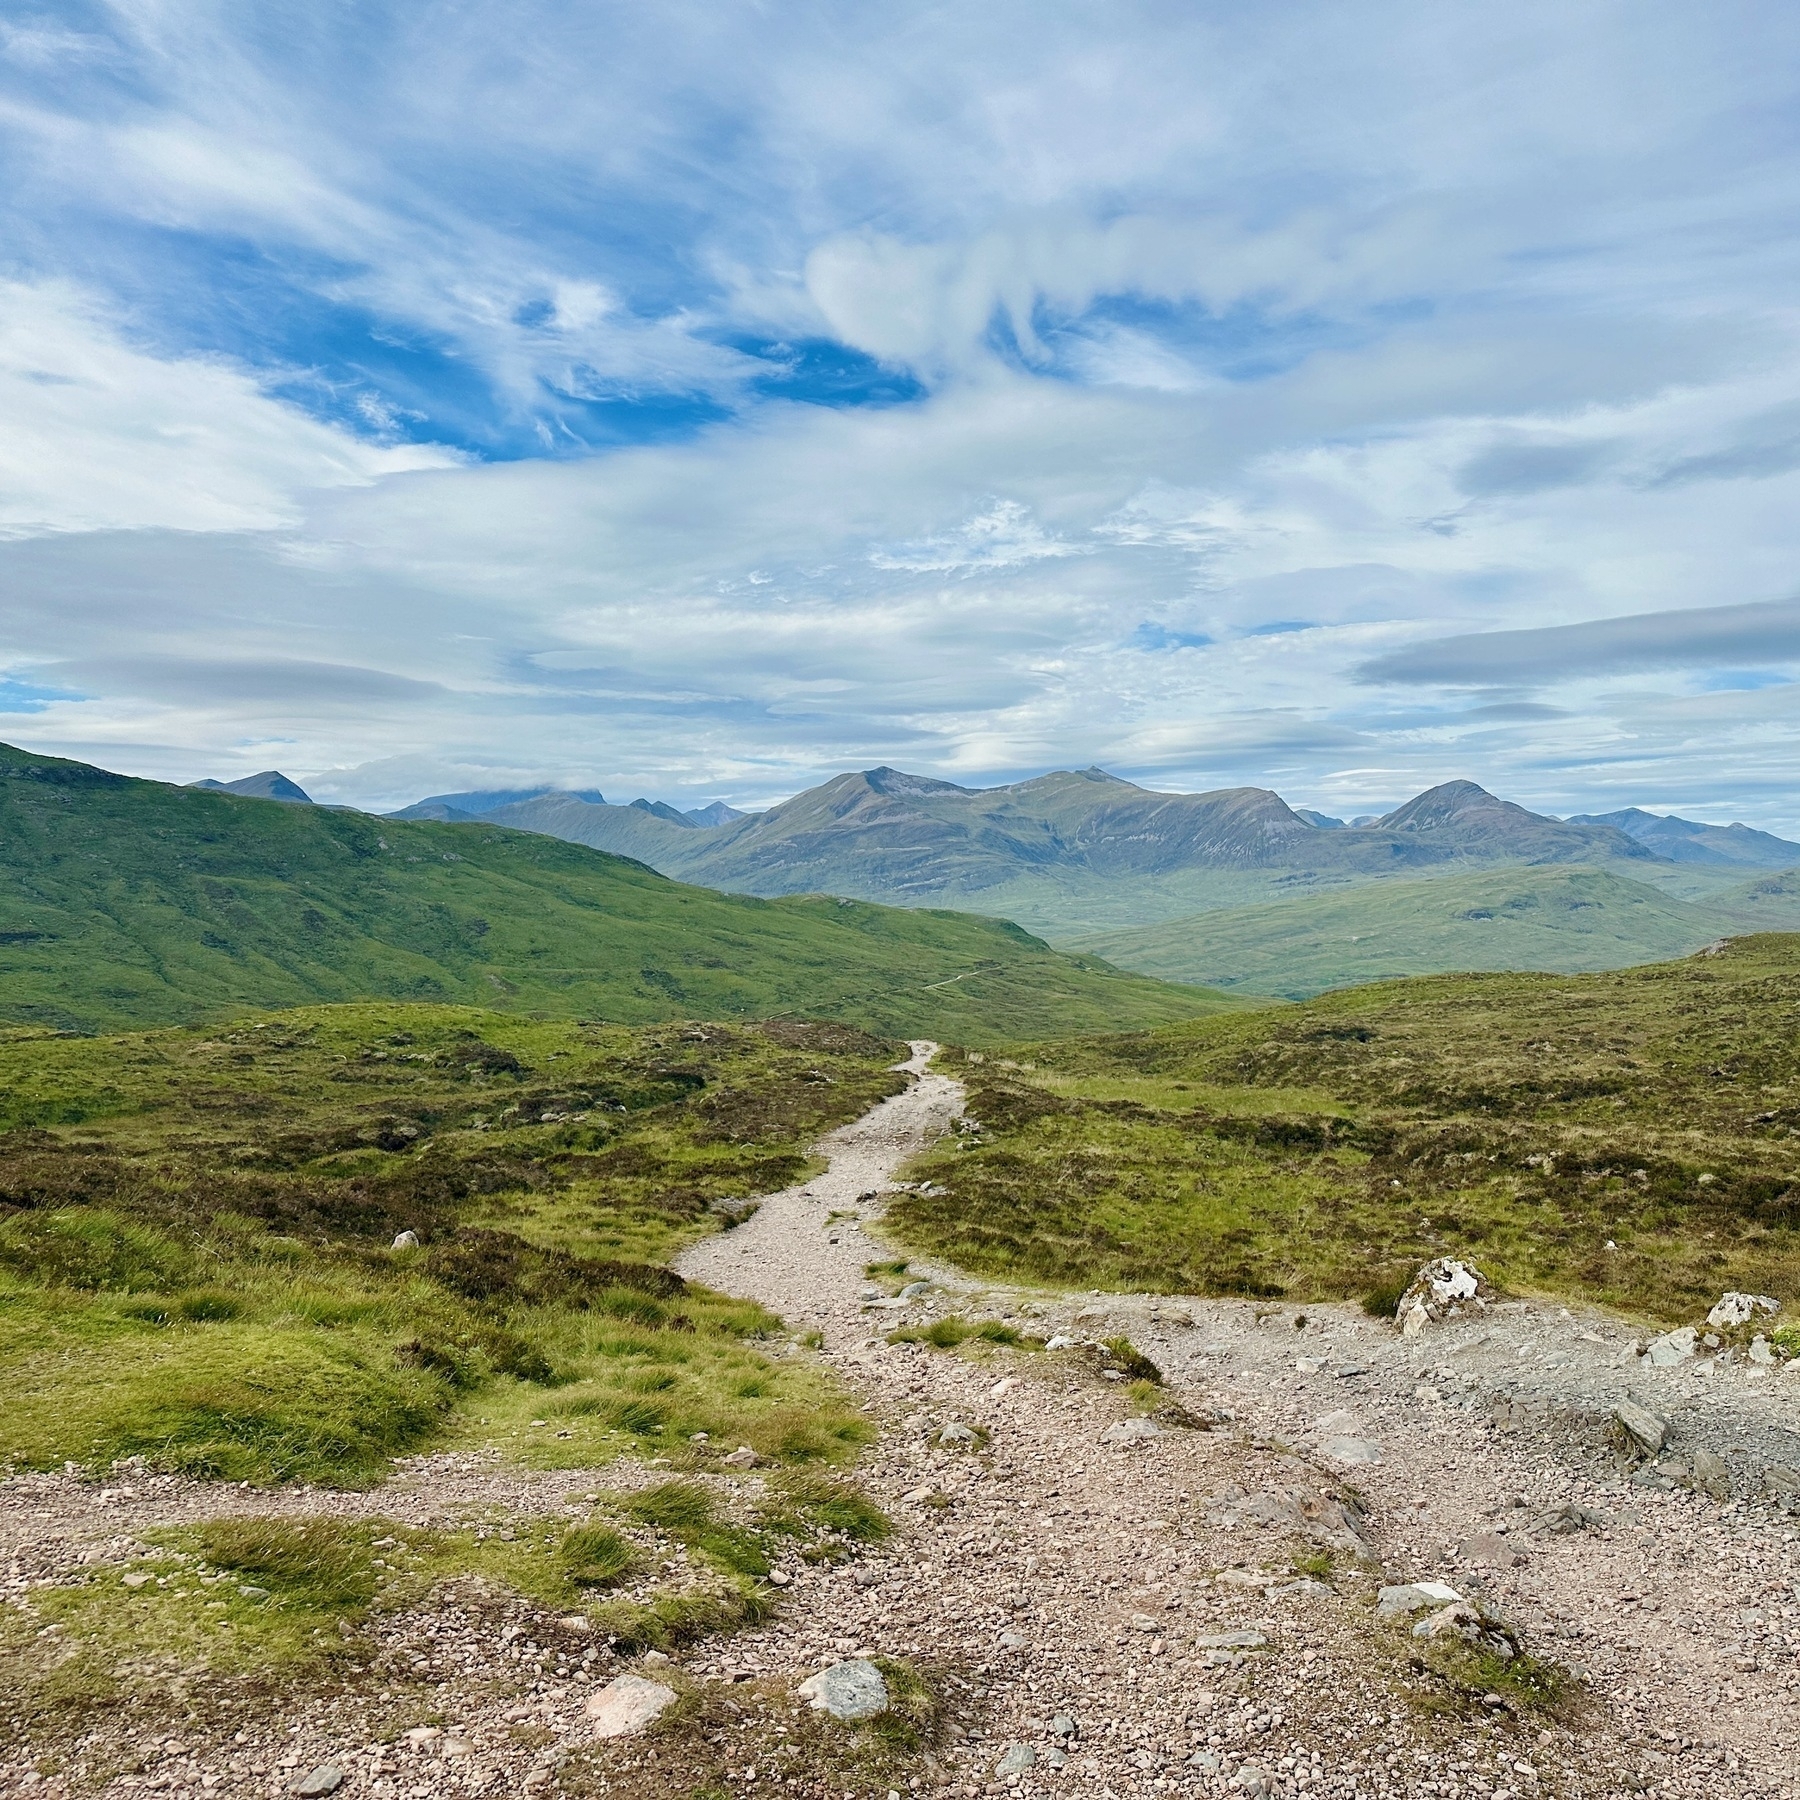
[883, 834]
[1322, 821]
[1684, 840]
[1470, 822]
[716, 814]
[271, 784]
[133, 902]
[460, 807]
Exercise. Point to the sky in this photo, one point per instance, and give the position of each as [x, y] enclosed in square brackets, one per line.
[699, 400]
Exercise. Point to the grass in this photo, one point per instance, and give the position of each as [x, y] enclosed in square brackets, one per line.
[1631, 1138]
[131, 903]
[946, 1334]
[197, 1263]
[239, 1604]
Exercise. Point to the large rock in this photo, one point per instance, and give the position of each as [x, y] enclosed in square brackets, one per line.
[1674, 1347]
[1637, 1430]
[1130, 1434]
[1414, 1596]
[1324, 1518]
[847, 1690]
[327, 1778]
[1734, 1309]
[1444, 1289]
[626, 1704]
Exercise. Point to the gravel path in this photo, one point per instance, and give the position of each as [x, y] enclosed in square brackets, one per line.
[1070, 1573]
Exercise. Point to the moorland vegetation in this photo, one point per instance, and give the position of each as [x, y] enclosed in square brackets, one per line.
[198, 1261]
[1630, 1138]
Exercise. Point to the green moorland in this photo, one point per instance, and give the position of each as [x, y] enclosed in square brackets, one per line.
[1630, 1138]
[131, 903]
[197, 1228]
[1559, 919]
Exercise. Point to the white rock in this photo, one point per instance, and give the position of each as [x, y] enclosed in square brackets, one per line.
[1001, 1389]
[626, 1704]
[1124, 1434]
[1443, 1289]
[407, 1240]
[1062, 1341]
[743, 1457]
[1412, 1597]
[1354, 1450]
[847, 1690]
[1760, 1351]
[1739, 1309]
[1673, 1347]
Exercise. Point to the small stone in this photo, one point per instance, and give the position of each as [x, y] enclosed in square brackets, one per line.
[1491, 1548]
[1710, 1475]
[627, 1704]
[743, 1457]
[1208, 1762]
[1056, 1757]
[327, 1778]
[1127, 1434]
[421, 1735]
[1569, 1517]
[1018, 1758]
[1001, 1389]
[1064, 1726]
[779, 1578]
[458, 1746]
[251, 1592]
[1144, 1622]
[1062, 1341]
[655, 1659]
[406, 1240]
[854, 1689]
[1011, 1640]
[916, 1496]
[138, 1580]
[914, 1289]
[1760, 1351]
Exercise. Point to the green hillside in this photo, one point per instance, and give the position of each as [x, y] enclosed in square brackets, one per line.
[126, 902]
[1631, 1138]
[1556, 919]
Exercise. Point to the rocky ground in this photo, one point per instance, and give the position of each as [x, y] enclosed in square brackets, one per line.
[1117, 1590]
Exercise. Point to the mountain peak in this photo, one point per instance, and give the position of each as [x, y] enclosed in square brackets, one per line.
[271, 784]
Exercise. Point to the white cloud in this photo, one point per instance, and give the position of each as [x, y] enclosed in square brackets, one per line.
[102, 436]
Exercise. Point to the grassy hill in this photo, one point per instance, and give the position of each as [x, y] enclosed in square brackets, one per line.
[1519, 918]
[131, 902]
[1631, 1138]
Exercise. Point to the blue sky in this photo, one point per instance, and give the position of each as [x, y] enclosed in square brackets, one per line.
[699, 400]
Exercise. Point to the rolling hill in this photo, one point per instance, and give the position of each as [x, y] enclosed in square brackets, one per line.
[127, 902]
[1552, 919]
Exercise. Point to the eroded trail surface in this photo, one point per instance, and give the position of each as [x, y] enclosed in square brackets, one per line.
[1123, 1591]
[1144, 1588]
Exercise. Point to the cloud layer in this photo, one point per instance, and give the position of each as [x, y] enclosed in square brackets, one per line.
[704, 399]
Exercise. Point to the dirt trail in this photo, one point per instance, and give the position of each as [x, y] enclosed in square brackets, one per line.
[1138, 1584]
[1081, 1579]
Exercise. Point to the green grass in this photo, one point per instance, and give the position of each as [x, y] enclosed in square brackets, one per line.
[1557, 919]
[127, 902]
[1631, 1138]
[196, 1261]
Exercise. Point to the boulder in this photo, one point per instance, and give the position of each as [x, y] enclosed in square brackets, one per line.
[1414, 1596]
[1351, 1450]
[1637, 1430]
[406, 1240]
[847, 1690]
[627, 1704]
[1129, 1434]
[1444, 1289]
[1674, 1347]
[1734, 1309]
[327, 1778]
